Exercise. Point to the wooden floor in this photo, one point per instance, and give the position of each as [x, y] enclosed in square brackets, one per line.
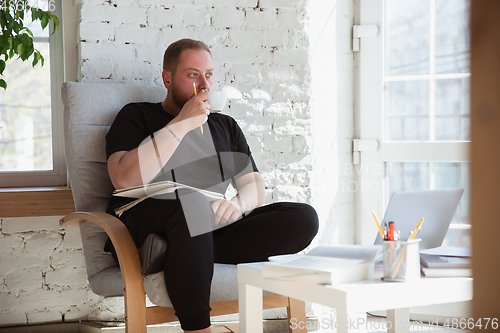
[270, 326]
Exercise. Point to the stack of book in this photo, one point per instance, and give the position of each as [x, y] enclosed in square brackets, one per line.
[446, 262]
[325, 265]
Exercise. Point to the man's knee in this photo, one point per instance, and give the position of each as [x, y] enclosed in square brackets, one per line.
[302, 218]
[302, 225]
[310, 219]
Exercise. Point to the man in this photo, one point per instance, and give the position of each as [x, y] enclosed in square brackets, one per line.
[149, 142]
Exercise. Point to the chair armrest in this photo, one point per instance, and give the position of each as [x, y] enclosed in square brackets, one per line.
[126, 251]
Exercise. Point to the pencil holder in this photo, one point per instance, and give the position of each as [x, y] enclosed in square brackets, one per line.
[401, 260]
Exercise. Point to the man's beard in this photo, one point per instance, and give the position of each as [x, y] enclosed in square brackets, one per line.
[178, 97]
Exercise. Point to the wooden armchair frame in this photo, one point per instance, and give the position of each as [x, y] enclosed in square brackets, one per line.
[137, 315]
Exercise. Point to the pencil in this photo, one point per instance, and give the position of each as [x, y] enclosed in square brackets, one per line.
[417, 229]
[396, 267]
[378, 225]
[194, 89]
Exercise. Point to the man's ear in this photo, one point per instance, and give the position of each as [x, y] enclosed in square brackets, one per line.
[167, 78]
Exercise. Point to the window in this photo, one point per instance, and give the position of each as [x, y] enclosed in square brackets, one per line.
[426, 70]
[419, 176]
[31, 149]
[413, 99]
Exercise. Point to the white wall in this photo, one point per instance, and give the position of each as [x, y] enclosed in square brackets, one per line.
[331, 104]
[288, 65]
[44, 277]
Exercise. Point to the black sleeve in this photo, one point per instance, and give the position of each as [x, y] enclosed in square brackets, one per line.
[126, 132]
[242, 147]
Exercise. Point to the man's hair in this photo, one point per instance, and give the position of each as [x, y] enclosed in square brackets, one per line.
[174, 50]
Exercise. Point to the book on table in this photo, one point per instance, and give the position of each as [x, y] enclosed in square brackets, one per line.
[446, 262]
[326, 264]
[435, 261]
[143, 192]
[448, 251]
[446, 272]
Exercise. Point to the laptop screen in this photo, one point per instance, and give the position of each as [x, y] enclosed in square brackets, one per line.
[437, 207]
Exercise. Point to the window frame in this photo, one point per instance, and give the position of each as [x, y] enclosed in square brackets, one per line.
[57, 176]
[369, 124]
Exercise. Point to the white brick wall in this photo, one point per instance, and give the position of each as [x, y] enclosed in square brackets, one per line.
[44, 276]
[288, 67]
[259, 51]
[42, 270]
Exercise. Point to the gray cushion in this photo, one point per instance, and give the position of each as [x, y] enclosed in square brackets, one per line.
[224, 286]
[107, 282]
[89, 110]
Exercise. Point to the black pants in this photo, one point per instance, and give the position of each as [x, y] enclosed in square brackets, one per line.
[279, 228]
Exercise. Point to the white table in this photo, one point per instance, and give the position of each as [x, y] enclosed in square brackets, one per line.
[351, 301]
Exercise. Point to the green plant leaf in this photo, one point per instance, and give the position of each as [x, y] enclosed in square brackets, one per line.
[20, 7]
[4, 44]
[2, 18]
[26, 40]
[45, 21]
[55, 19]
[21, 38]
[6, 32]
[15, 38]
[36, 58]
[17, 27]
[7, 16]
[10, 21]
[16, 41]
[34, 13]
[29, 32]
[29, 51]
[20, 51]
[39, 13]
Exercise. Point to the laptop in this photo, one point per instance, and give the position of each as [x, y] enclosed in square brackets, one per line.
[437, 207]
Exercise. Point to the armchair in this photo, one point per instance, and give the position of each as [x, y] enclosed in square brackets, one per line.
[89, 110]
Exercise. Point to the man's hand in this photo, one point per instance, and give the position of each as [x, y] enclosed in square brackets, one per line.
[195, 111]
[226, 212]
